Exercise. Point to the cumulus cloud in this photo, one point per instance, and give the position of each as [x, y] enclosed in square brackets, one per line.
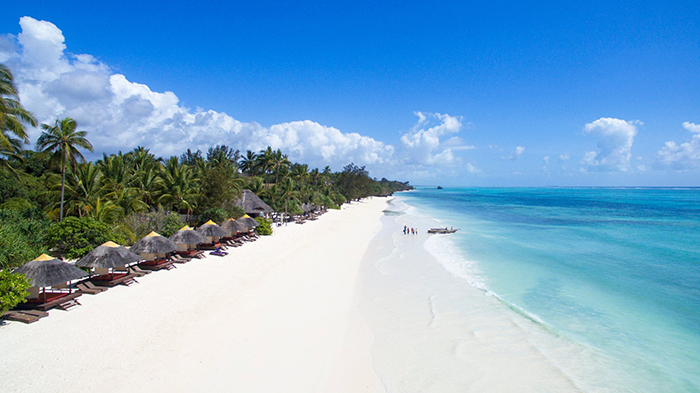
[120, 114]
[516, 153]
[425, 143]
[564, 156]
[615, 138]
[685, 156]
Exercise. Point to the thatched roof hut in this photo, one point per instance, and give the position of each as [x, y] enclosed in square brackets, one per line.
[234, 226]
[154, 243]
[248, 222]
[251, 204]
[212, 229]
[108, 255]
[187, 235]
[46, 271]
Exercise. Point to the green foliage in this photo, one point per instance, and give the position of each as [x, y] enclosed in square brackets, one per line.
[22, 237]
[160, 221]
[234, 212]
[13, 290]
[215, 214]
[75, 237]
[264, 228]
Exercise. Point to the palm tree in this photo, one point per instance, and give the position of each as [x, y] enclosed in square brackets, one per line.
[279, 162]
[12, 115]
[249, 163]
[63, 141]
[177, 184]
[287, 191]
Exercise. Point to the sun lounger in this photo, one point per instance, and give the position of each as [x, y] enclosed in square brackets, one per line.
[64, 301]
[19, 316]
[179, 259]
[135, 270]
[159, 265]
[85, 287]
[114, 279]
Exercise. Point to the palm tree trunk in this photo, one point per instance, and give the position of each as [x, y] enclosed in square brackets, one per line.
[63, 185]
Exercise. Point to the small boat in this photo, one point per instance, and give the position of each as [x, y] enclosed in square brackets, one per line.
[439, 188]
[442, 230]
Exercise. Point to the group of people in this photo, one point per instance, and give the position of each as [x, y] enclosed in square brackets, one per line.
[409, 231]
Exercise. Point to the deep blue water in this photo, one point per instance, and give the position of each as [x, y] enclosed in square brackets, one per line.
[614, 269]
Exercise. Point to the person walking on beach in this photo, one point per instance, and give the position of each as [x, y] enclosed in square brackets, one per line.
[404, 229]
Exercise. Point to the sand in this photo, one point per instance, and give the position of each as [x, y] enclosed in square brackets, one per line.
[276, 315]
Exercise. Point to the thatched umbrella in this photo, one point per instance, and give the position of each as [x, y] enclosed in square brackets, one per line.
[46, 271]
[233, 226]
[109, 255]
[187, 238]
[251, 204]
[248, 222]
[212, 231]
[154, 243]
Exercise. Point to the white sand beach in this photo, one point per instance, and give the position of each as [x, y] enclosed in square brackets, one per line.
[276, 315]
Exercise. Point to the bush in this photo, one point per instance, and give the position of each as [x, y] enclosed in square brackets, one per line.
[13, 290]
[160, 221]
[215, 214]
[264, 228]
[21, 239]
[75, 237]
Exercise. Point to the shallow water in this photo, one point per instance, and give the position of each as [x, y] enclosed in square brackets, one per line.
[608, 280]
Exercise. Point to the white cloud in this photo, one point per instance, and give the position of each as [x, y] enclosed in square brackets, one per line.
[423, 143]
[564, 156]
[545, 167]
[515, 154]
[120, 115]
[685, 156]
[615, 138]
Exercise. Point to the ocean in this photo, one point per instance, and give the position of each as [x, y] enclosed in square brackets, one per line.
[602, 284]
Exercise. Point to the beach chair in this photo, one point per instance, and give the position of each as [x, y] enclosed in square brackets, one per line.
[19, 316]
[90, 288]
[138, 272]
[179, 259]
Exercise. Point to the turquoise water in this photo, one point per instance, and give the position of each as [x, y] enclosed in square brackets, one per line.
[614, 269]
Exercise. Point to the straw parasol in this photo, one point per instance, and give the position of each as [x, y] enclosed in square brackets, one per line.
[233, 226]
[109, 255]
[211, 229]
[154, 243]
[187, 235]
[46, 271]
[187, 238]
[248, 222]
[252, 204]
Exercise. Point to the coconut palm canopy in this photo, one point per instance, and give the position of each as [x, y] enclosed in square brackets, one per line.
[251, 204]
[187, 235]
[248, 222]
[233, 226]
[108, 255]
[154, 243]
[212, 229]
[46, 271]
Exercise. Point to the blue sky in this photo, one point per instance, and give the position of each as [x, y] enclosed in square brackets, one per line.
[463, 93]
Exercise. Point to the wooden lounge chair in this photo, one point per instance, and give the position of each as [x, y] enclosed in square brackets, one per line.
[90, 288]
[115, 279]
[179, 259]
[64, 301]
[138, 272]
[167, 265]
[19, 316]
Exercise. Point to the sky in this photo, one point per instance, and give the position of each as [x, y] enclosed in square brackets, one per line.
[457, 93]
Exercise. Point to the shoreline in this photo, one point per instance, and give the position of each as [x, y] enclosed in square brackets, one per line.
[437, 332]
[278, 314]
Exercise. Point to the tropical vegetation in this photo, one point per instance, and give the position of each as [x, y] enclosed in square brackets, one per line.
[54, 200]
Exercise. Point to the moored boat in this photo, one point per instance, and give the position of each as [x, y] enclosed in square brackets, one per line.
[442, 230]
